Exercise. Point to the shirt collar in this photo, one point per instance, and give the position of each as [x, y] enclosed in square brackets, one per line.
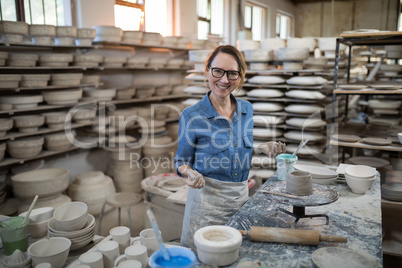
[210, 110]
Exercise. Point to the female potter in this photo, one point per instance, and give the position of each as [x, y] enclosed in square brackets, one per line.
[215, 146]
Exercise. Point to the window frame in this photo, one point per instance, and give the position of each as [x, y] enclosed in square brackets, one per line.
[290, 25]
[265, 22]
[134, 5]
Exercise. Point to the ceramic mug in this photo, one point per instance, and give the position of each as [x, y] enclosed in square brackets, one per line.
[147, 238]
[130, 264]
[93, 259]
[110, 251]
[121, 234]
[44, 265]
[135, 252]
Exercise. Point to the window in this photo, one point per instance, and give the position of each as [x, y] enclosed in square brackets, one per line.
[53, 12]
[283, 25]
[254, 20]
[129, 14]
[210, 18]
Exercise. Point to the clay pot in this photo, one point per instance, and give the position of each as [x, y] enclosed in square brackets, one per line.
[84, 116]
[25, 148]
[92, 188]
[2, 150]
[42, 40]
[100, 94]
[28, 123]
[55, 120]
[90, 79]
[88, 60]
[152, 39]
[299, 183]
[34, 80]
[125, 94]
[14, 27]
[43, 182]
[66, 79]
[217, 245]
[5, 125]
[66, 31]
[3, 58]
[86, 33]
[59, 97]
[137, 61]
[22, 60]
[57, 142]
[42, 30]
[9, 80]
[55, 59]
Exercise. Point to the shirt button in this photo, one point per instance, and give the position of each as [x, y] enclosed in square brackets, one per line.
[231, 132]
[236, 160]
[235, 145]
[235, 174]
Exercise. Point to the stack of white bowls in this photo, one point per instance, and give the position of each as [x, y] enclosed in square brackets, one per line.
[392, 191]
[360, 178]
[73, 221]
[38, 219]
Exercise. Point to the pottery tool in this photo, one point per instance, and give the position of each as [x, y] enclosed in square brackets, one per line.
[302, 143]
[289, 236]
[280, 194]
[154, 224]
[30, 208]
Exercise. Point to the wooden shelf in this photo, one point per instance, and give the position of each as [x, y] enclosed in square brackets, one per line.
[396, 148]
[41, 68]
[43, 130]
[121, 44]
[368, 92]
[44, 107]
[11, 161]
[18, 89]
[156, 98]
[26, 45]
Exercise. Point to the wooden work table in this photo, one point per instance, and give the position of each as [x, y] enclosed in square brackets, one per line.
[357, 217]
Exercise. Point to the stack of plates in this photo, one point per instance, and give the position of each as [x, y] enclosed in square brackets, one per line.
[3, 193]
[79, 238]
[392, 191]
[319, 174]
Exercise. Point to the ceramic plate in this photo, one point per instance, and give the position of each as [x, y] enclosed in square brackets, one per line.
[351, 86]
[305, 122]
[317, 172]
[302, 135]
[377, 141]
[384, 104]
[307, 80]
[303, 108]
[335, 257]
[198, 77]
[265, 93]
[325, 181]
[172, 184]
[195, 90]
[386, 87]
[263, 133]
[267, 120]
[346, 137]
[266, 79]
[305, 94]
[374, 162]
[306, 150]
[267, 107]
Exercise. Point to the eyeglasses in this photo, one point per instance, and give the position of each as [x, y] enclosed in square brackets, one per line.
[231, 75]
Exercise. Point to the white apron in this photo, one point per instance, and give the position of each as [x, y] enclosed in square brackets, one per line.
[214, 204]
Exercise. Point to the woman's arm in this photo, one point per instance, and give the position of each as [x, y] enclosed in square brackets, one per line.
[195, 179]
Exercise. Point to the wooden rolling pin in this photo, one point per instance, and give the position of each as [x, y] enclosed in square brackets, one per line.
[289, 236]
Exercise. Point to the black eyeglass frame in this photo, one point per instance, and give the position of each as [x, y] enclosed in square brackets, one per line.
[224, 72]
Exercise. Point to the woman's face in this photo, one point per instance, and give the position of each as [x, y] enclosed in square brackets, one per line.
[223, 86]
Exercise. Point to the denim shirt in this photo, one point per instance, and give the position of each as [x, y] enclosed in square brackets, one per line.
[213, 146]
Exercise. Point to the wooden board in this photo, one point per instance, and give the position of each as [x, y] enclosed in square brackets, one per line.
[380, 34]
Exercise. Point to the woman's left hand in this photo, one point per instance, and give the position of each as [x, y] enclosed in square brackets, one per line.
[271, 148]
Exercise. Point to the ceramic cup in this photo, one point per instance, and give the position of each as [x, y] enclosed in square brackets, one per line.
[110, 251]
[284, 165]
[130, 264]
[121, 234]
[299, 183]
[44, 265]
[134, 252]
[93, 259]
[148, 239]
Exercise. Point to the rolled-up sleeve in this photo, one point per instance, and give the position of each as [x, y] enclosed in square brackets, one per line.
[185, 154]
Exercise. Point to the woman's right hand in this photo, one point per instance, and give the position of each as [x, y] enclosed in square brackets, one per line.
[195, 179]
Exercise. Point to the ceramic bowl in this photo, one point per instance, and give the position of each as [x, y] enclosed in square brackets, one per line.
[25, 147]
[400, 137]
[38, 229]
[217, 245]
[28, 123]
[88, 227]
[39, 214]
[5, 124]
[84, 115]
[86, 33]
[22, 101]
[42, 30]
[53, 250]
[13, 27]
[71, 216]
[66, 31]
[360, 172]
[42, 182]
[101, 94]
[57, 142]
[55, 119]
[59, 97]
[359, 186]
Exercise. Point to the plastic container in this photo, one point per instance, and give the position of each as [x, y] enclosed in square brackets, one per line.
[284, 164]
[14, 234]
[180, 258]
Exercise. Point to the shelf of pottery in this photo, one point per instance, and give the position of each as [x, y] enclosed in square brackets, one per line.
[379, 99]
[288, 97]
[48, 70]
